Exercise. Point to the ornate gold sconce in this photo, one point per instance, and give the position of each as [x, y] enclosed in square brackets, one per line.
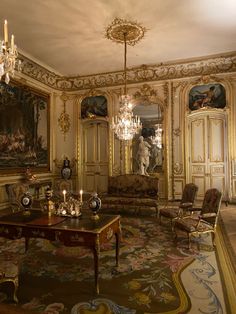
[64, 118]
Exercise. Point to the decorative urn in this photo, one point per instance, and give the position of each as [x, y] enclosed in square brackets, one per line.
[95, 205]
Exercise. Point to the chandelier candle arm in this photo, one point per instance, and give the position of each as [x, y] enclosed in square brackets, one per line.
[8, 55]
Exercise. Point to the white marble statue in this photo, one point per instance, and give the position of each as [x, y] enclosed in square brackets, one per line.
[143, 156]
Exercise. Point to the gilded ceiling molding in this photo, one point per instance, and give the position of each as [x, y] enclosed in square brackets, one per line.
[163, 71]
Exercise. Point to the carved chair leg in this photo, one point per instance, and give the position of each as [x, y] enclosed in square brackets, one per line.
[175, 233]
[213, 238]
[15, 282]
[189, 241]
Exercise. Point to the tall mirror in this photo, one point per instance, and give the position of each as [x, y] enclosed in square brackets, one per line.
[147, 146]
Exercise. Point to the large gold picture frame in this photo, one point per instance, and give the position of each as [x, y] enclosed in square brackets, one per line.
[24, 128]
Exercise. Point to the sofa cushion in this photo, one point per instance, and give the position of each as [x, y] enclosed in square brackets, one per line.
[133, 185]
[129, 201]
[133, 192]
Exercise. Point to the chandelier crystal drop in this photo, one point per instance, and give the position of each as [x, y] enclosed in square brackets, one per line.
[8, 56]
[125, 124]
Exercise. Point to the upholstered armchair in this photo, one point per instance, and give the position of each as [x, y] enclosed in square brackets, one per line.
[205, 222]
[186, 203]
[9, 270]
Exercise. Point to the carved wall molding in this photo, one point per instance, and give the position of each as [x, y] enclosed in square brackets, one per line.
[177, 132]
[178, 168]
[64, 120]
[148, 95]
[163, 71]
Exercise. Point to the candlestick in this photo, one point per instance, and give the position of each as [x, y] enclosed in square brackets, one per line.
[5, 32]
[12, 43]
[64, 194]
[81, 196]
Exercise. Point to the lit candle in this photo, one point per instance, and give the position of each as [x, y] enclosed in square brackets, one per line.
[64, 194]
[5, 32]
[81, 195]
[12, 43]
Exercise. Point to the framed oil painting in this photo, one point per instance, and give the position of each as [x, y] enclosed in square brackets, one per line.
[94, 106]
[210, 95]
[24, 128]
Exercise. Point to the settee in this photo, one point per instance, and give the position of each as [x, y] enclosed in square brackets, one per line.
[131, 192]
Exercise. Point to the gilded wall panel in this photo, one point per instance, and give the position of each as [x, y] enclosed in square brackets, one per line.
[217, 170]
[201, 183]
[179, 186]
[216, 139]
[198, 140]
[218, 182]
[199, 169]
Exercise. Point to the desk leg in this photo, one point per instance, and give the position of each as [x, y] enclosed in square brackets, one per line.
[96, 253]
[117, 247]
[118, 237]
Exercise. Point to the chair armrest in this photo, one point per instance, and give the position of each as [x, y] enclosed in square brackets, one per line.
[186, 205]
[196, 209]
[208, 215]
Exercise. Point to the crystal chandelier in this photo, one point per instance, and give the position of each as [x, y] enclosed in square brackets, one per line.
[8, 55]
[125, 124]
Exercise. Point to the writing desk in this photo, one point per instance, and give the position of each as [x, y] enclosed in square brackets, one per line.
[83, 231]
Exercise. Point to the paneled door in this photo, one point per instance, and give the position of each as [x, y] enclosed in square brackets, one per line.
[207, 160]
[95, 156]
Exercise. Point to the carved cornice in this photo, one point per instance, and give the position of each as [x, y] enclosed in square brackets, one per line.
[145, 73]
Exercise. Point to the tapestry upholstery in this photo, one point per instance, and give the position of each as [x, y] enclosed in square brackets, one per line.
[185, 205]
[131, 192]
[206, 221]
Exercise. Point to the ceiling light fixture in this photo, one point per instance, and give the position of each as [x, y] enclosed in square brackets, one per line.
[125, 124]
[8, 56]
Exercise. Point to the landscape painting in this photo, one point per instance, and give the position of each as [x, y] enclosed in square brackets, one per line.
[94, 106]
[210, 95]
[24, 128]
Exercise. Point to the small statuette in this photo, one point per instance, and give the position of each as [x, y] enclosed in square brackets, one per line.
[95, 205]
[29, 176]
[49, 205]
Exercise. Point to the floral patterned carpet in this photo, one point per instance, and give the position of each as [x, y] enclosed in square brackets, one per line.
[154, 276]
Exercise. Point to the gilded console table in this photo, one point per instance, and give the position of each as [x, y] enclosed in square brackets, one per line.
[82, 231]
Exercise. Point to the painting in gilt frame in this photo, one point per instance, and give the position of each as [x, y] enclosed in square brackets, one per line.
[93, 106]
[24, 128]
[210, 95]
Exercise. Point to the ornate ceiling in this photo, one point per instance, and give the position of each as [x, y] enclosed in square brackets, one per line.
[68, 36]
